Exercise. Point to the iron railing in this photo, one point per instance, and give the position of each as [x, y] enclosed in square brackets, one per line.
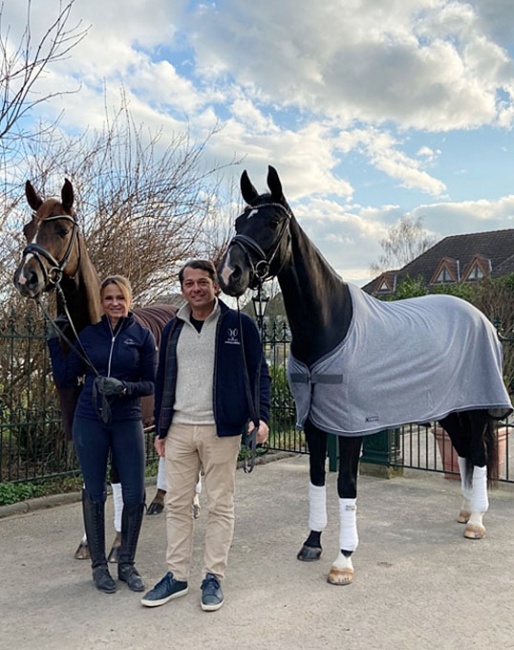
[33, 445]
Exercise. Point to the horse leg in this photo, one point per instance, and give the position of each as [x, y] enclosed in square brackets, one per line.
[317, 445]
[472, 436]
[157, 505]
[82, 552]
[342, 572]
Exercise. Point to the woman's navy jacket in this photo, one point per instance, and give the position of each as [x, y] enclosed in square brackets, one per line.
[230, 402]
[129, 354]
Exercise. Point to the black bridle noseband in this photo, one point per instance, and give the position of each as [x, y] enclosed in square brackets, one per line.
[53, 275]
[260, 270]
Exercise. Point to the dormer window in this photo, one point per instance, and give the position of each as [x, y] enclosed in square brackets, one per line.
[447, 271]
[478, 268]
[444, 276]
[386, 283]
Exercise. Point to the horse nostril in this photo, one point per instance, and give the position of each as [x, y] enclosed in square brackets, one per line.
[32, 279]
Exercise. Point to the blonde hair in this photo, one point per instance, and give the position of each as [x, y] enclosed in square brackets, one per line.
[121, 282]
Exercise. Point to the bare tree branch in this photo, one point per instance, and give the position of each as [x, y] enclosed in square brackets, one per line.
[23, 64]
[406, 240]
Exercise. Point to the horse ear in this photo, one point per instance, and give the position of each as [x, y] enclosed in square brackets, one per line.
[67, 196]
[248, 191]
[33, 198]
[274, 184]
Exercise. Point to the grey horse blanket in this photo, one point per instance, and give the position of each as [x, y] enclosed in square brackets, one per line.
[413, 360]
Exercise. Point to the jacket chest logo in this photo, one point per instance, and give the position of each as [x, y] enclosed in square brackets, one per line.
[232, 336]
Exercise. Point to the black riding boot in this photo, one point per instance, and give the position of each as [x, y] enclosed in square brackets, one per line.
[131, 520]
[94, 522]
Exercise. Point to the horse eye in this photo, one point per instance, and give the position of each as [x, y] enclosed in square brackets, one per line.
[62, 232]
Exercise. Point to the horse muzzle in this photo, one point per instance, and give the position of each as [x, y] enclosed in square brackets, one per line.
[29, 281]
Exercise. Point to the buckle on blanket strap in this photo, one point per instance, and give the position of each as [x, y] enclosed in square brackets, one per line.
[315, 378]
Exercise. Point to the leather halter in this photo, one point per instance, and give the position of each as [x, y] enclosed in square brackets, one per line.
[260, 271]
[53, 275]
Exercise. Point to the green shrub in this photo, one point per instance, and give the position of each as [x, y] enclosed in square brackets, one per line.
[14, 492]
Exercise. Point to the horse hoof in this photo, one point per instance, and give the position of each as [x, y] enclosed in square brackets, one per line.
[309, 553]
[464, 516]
[340, 576]
[82, 552]
[474, 531]
[155, 508]
[196, 511]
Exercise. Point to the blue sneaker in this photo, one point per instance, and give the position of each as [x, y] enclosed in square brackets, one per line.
[165, 590]
[212, 596]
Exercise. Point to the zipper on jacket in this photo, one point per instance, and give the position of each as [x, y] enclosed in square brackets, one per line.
[113, 339]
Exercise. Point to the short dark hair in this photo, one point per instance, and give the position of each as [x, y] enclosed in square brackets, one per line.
[202, 265]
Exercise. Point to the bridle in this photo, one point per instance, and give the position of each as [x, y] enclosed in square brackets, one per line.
[53, 275]
[260, 270]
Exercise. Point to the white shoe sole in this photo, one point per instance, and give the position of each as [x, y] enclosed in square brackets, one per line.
[212, 608]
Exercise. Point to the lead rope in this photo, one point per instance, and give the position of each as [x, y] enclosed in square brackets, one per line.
[253, 403]
[81, 353]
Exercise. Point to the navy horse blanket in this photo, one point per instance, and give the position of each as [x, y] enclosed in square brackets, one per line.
[413, 360]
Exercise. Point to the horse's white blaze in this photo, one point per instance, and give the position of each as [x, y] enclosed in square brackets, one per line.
[227, 270]
[252, 213]
[22, 279]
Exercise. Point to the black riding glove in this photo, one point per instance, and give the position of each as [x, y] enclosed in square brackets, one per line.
[110, 386]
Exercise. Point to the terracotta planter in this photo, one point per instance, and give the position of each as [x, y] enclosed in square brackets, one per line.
[449, 455]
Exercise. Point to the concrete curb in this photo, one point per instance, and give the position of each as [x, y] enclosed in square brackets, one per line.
[53, 500]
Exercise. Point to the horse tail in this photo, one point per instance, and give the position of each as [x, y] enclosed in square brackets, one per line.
[491, 452]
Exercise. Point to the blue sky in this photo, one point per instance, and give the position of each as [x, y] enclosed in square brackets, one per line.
[369, 109]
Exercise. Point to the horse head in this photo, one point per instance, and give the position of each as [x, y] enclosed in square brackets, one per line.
[261, 244]
[52, 248]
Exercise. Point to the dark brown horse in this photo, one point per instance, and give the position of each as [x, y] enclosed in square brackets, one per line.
[56, 258]
[359, 365]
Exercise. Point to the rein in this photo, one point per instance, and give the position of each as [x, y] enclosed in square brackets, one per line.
[253, 404]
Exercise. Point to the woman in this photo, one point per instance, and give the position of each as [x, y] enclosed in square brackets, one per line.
[118, 358]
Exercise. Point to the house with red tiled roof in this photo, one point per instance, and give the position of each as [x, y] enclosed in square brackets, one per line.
[458, 258]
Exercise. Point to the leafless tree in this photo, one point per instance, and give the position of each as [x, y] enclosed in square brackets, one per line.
[23, 62]
[406, 240]
[145, 202]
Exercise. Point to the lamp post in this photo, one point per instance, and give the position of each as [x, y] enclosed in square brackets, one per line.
[260, 303]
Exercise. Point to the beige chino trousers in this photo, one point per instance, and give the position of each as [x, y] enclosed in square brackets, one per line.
[189, 448]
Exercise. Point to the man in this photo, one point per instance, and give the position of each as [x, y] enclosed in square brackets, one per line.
[201, 409]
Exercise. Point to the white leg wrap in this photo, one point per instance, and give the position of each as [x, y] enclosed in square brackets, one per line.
[161, 475]
[348, 536]
[479, 499]
[198, 488]
[317, 507]
[117, 499]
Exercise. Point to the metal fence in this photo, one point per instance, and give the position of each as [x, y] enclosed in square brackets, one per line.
[33, 446]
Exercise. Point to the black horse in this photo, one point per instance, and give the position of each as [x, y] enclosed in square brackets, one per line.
[338, 391]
